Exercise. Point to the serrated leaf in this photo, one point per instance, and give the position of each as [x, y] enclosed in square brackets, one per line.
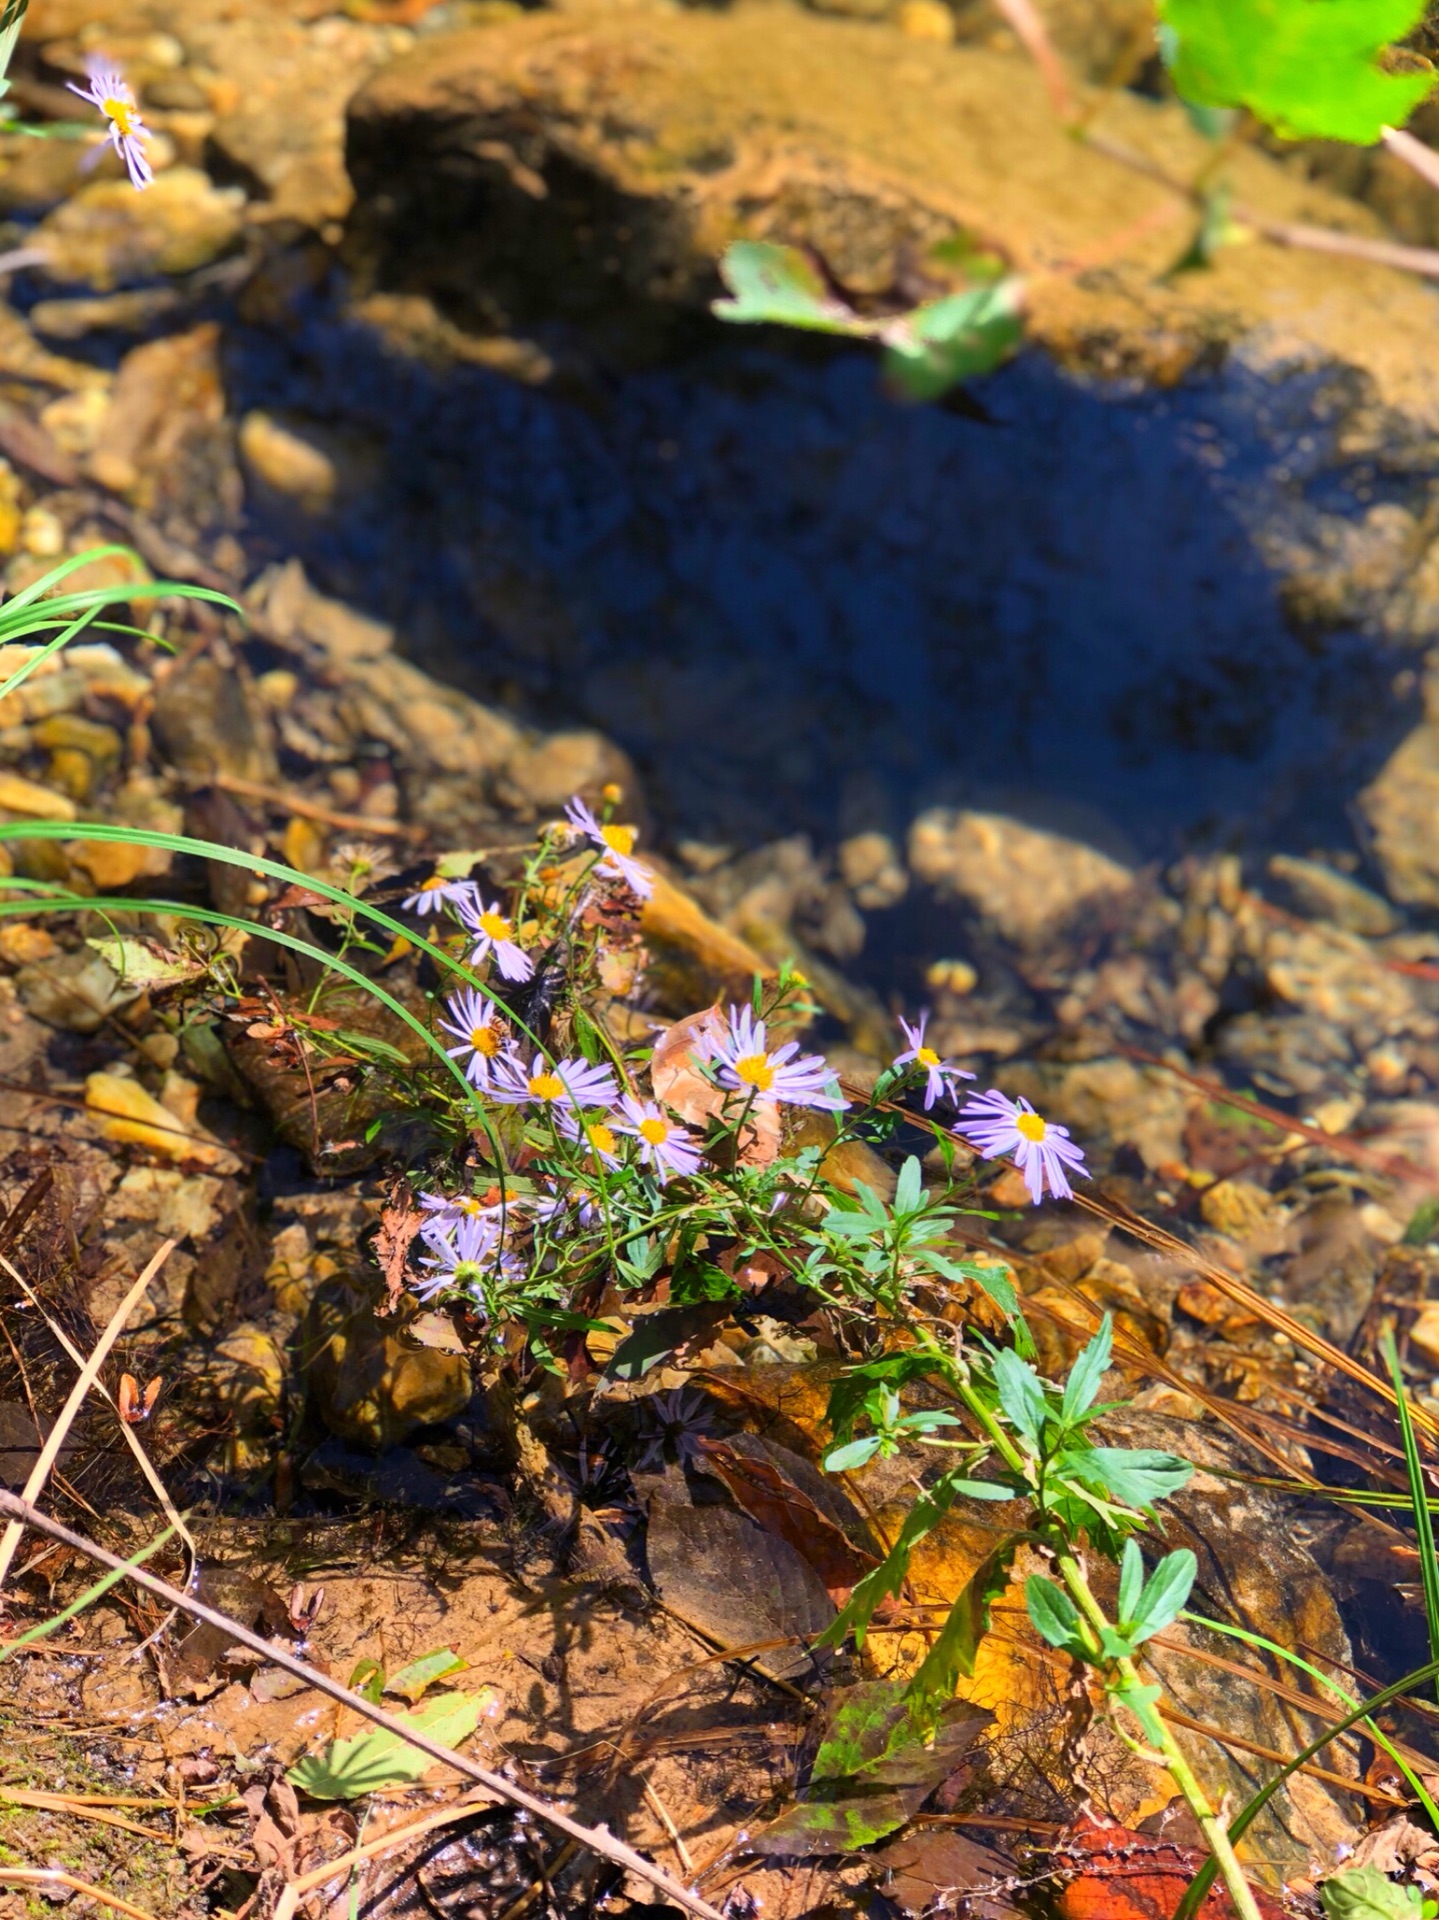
[1085, 1375]
[349, 1768]
[953, 1653]
[1135, 1476]
[411, 1681]
[1021, 1395]
[1164, 1594]
[1308, 68]
[1364, 1893]
[1053, 1614]
[769, 283]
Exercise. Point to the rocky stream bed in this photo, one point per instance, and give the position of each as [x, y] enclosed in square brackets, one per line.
[1096, 708]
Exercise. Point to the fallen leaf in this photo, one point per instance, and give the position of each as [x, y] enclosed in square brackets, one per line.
[779, 1506]
[379, 1758]
[1136, 1876]
[131, 1116]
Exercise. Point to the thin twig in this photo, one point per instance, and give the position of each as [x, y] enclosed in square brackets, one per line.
[1423, 160]
[89, 1373]
[127, 1432]
[597, 1839]
[662, 1813]
[309, 809]
[397, 1836]
[1023, 20]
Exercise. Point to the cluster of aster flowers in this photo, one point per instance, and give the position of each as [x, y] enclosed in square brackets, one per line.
[604, 1128]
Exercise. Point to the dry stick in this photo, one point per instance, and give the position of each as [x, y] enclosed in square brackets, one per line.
[22, 1514]
[142, 1459]
[1423, 160]
[362, 1851]
[89, 1373]
[1024, 22]
[662, 1813]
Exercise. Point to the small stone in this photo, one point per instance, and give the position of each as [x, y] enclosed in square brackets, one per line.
[1240, 1209]
[250, 1371]
[1025, 881]
[23, 945]
[872, 868]
[1424, 1334]
[1318, 890]
[538, 779]
[108, 234]
[28, 797]
[926, 20]
[364, 1382]
[1401, 807]
[207, 721]
[304, 463]
[951, 976]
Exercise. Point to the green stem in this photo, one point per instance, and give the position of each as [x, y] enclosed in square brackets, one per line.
[1215, 1833]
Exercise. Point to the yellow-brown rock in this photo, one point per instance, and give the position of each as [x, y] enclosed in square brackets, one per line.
[366, 1383]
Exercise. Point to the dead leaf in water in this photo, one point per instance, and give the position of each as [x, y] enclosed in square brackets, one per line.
[679, 1083]
[779, 1506]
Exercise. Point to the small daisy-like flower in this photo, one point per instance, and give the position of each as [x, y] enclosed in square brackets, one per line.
[562, 1213]
[446, 1210]
[568, 1083]
[463, 1257]
[1041, 1150]
[437, 892]
[677, 1421]
[127, 134]
[616, 844]
[475, 1024]
[940, 1075]
[495, 935]
[600, 1137]
[664, 1147]
[745, 1065]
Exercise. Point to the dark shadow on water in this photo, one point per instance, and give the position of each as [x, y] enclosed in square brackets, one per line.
[802, 606]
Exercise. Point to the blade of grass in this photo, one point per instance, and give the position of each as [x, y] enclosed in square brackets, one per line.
[596, 1839]
[1418, 1492]
[1199, 1886]
[87, 1599]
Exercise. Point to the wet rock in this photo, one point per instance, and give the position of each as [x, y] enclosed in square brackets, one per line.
[1336, 979]
[32, 801]
[1319, 891]
[398, 1478]
[1400, 808]
[209, 720]
[539, 778]
[365, 1382]
[872, 867]
[165, 442]
[250, 1373]
[1286, 1054]
[1025, 882]
[1113, 1100]
[108, 234]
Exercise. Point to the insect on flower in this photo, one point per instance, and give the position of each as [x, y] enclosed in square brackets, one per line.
[494, 935]
[664, 1147]
[940, 1075]
[568, 1083]
[1041, 1150]
[744, 1064]
[617, 846]
[475, 1024]
[598, 1135]
[127, 134]
[437, 892]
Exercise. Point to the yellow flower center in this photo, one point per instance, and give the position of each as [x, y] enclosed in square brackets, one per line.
[485, 1040]
[602, 1138]
[656, 1132]
[547, 1086]
[927, 1057]
[754, 1070]
[471, 1206]
[123, 113]
[432, 885]
[619, 839]
[1031, 1126]
[496, 926]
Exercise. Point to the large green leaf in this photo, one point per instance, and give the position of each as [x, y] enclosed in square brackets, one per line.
[348, 1768]
[1364, 1893]
[1310, 69]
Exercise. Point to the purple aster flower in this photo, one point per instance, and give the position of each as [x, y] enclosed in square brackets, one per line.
[447, 1210]
[568, 1083]
[745, 1065]
[495, 935]
[616, 844]
[561, 1213]
[437, 892]
[940, 1075]
[463, 1256]
[127, 134]
[1041, 1150]
[597, 1135]
[475, 1024]
[664, 1147]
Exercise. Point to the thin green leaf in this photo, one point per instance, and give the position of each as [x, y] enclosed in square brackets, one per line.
[1135, 1476]
[909, 1189]
[854, 1454]
[412, 1680]
[1021, 1395]
[1164, 1595]
[1364, 1893]
[769, 283]
[1131, 1580]
[953, 1653]
[1082, 1387]
[1418, 1492]
[1053, 1614]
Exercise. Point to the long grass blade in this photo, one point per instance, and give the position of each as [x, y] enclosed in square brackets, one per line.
[87, 1599]
[1418, 1492]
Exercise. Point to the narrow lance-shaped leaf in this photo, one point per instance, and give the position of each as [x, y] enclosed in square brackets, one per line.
[1054, 1615]
[1021, 1395]
[1164, 1594]
[1088, 1370]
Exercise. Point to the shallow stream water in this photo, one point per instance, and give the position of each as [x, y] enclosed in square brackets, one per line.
[802, 606]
